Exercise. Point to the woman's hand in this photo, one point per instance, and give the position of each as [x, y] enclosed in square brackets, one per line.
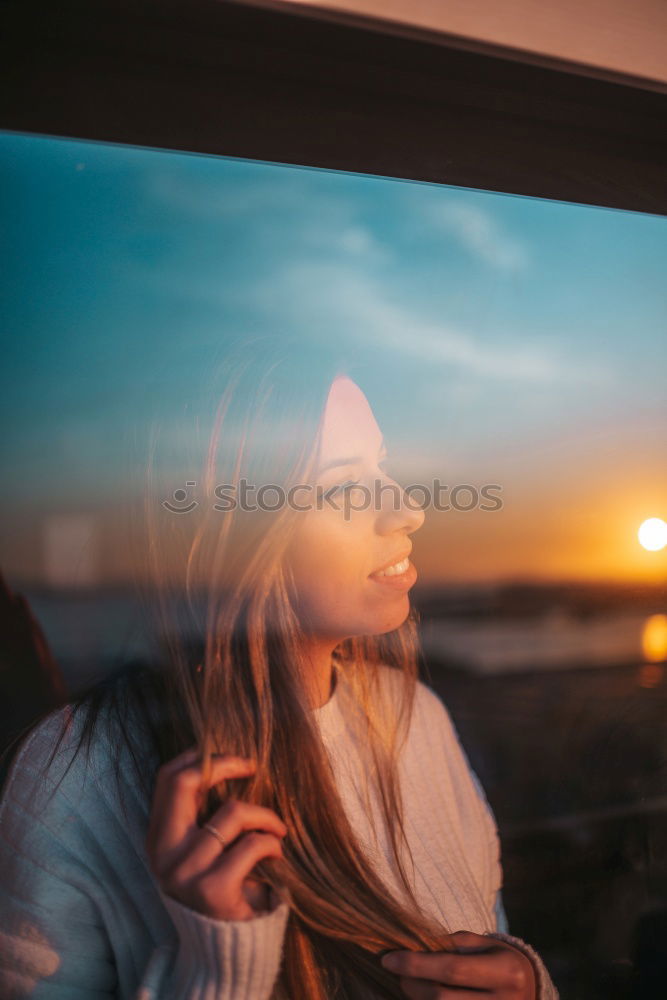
[189, 862]
[482, 965]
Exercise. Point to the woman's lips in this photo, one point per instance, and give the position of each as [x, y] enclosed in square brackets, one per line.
[400, 581]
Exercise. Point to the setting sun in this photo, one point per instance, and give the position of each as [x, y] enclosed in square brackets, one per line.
[652, 534]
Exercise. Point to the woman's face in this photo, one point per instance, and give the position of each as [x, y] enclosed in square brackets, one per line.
[340, 549]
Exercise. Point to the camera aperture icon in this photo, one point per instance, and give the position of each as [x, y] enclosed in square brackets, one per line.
[179, 497]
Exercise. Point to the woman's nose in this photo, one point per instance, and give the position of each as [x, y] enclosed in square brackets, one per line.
[400, 510]
[415, 515]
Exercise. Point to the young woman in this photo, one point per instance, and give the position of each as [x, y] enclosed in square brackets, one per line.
[291, 815]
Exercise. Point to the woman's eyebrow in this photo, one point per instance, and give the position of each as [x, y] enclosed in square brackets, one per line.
[349, 460]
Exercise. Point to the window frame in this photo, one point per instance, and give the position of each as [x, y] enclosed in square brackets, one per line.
[262, 83]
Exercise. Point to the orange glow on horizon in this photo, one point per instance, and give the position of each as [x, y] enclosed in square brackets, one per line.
[654, 639]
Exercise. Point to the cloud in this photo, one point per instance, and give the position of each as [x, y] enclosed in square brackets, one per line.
[479, 233]
[285, 211]
[306, 210]
[337, 290]
[332, 299]
[203, 198]
[358, 241]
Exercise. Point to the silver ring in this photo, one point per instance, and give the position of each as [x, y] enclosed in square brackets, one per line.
[218, 836]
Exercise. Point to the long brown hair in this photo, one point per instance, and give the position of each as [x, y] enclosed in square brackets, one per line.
[245, 691]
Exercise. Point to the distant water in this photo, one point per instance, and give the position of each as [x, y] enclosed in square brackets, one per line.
[90, 632]
[553, 641]
[93, 632]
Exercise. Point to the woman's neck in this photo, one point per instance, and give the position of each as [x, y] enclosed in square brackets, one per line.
[321, 679]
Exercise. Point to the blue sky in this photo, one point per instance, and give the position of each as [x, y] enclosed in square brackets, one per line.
[503, 329]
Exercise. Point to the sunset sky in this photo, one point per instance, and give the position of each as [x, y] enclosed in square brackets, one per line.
[509, 341]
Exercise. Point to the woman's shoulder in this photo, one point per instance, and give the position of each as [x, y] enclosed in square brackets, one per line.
[428, 708]
[73, 761]
[435, 738]
[433, 710]
[48, 755]
[432, 733]
[72, 830]
[424, 719]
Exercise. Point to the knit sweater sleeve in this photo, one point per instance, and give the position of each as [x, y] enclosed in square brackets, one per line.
[216, 959]
[64, 908]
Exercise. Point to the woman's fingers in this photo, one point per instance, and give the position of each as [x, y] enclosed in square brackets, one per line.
[189, 862]
[232, 819]
[177, 796]
[500, 970]
[220, 890]
[472, 972]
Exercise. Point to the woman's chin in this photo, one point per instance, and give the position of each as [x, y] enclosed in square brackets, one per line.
[392, 619]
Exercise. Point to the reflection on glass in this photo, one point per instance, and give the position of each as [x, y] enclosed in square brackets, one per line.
[654, 639]
[511, 348]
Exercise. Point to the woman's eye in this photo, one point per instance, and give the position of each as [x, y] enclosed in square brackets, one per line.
[349, 485]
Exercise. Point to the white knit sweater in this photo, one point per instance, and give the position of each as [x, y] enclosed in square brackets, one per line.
[82, 917]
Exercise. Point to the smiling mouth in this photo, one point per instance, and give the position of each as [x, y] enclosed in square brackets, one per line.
[397, 577]
[396, 569]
